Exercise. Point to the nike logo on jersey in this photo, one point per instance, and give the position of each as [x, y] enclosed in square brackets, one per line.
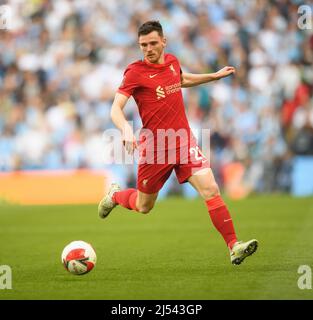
[152, 75]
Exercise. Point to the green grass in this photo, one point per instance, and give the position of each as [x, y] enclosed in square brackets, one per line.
[172, 253]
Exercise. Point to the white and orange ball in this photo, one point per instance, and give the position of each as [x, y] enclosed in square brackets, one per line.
[79, 257]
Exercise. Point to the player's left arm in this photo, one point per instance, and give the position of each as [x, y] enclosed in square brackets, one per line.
[191, 79]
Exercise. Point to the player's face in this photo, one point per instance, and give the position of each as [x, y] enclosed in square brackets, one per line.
[152, 46]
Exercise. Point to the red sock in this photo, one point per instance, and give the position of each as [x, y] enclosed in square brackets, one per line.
[222, 220]
[126, 198]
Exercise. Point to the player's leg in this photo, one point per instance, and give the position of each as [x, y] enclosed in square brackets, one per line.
[134, 199]
[145, 201]
[151, 179]
[131, 199]
[204, 182]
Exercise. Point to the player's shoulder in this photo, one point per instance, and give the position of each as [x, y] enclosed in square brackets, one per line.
[170, 58]
[134, 66]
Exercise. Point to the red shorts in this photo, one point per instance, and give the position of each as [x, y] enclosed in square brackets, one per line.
[185, 161]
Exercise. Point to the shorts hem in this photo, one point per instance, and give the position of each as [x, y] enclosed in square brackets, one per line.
[149, 191]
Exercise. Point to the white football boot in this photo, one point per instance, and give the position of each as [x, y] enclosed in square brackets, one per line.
[107, 204]
[242, 250]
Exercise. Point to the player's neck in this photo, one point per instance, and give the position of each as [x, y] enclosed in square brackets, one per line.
[161, 59]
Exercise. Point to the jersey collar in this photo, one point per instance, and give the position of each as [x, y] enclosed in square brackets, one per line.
[156, 65]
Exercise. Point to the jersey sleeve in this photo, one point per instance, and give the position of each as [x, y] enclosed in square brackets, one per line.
[178, 62]
[180, 70]
[129, 83]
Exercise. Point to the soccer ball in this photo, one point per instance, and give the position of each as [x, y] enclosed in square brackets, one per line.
[79, 257]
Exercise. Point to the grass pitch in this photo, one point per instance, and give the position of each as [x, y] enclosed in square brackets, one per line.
[174, 252]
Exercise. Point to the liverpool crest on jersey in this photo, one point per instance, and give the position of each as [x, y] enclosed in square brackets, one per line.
[173, 70]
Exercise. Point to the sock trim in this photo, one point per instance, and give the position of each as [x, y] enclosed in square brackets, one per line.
[215, 202]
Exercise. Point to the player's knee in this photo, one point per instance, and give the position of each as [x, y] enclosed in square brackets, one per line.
[145, 208]
[210, 191]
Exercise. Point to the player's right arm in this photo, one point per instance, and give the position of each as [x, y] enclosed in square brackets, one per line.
[120, 121]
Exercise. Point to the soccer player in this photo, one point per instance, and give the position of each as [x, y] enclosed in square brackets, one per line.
[155, 83]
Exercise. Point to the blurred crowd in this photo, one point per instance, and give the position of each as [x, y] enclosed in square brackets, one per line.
[61, 62]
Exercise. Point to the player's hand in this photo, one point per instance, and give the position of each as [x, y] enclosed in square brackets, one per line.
[225, 72]
[129, 140]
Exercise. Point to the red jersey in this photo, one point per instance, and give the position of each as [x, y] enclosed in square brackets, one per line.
[156, 89]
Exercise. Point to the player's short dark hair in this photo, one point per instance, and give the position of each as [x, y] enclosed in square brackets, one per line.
[150, 26]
